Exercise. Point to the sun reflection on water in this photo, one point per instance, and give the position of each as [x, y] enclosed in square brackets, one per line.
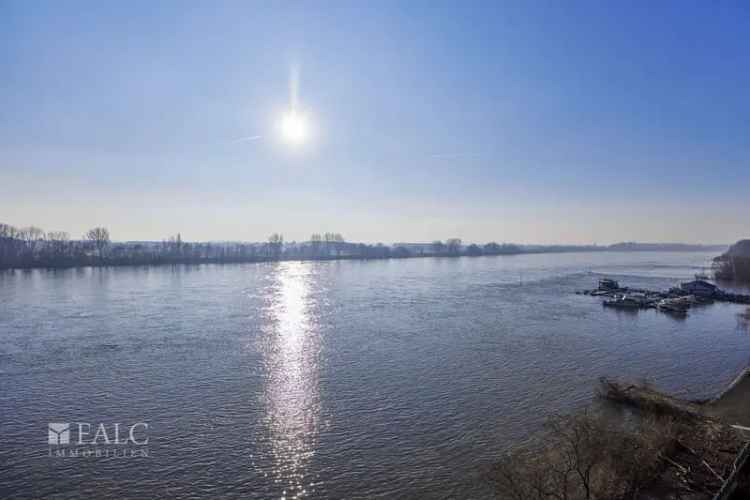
[292, 394]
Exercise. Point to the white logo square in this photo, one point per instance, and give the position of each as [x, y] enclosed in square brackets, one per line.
[58, 433]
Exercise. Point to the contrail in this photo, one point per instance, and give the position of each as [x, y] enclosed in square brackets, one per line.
[453, 156]
[248, 138]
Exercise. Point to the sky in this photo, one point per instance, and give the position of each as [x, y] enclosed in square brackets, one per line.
[529, 122]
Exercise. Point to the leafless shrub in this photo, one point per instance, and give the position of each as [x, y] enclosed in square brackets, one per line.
[100, 237]
[587, 456]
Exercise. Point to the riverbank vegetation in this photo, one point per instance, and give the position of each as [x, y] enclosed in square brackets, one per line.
[734, 264]
[669, 449]
[31, 247]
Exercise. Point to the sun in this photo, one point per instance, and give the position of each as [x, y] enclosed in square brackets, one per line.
[294, 128]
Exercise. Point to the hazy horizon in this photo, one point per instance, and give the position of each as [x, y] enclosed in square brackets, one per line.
[541, 123]
[307, 239]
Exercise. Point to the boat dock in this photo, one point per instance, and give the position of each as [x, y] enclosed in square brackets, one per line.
[676, 300]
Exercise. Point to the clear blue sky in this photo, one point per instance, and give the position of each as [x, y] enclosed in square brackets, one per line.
[538, 122]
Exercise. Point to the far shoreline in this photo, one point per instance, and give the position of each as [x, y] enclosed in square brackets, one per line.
[94, 262]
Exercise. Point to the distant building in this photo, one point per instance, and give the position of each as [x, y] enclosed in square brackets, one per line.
[698, 287]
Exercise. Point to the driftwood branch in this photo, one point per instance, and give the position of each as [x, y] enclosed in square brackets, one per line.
[713, 471]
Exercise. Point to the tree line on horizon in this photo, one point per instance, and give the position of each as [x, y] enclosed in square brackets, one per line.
[31, 247]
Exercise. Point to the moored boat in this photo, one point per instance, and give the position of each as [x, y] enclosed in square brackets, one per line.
[677, 306]
[625, 302]
[608, 284]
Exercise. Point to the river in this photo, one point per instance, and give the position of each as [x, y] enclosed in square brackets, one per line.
[338, 379]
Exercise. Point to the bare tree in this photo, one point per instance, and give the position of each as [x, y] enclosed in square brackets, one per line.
[57, 246]
[275, 244]
[8, 231]
[58, 236]
[31, 237]
[585, 457]
[11, 248]
[315, 242]
[337, 243]
[100, 237]
[473, 250]
[58, 241]
[330, 242]
[492, 248]
[174, 245]
[453, 245]
[31, 233]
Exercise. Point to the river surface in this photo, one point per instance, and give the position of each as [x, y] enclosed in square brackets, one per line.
[347, 379]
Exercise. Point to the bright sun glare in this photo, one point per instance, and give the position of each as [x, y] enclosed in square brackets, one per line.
[294, 129]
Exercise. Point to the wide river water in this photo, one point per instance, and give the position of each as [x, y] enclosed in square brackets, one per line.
[344, 379]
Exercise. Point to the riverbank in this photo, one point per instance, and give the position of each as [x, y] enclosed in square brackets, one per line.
[733, 404]
[727, 415]
[383, 253]
[707, 466]
[369, 253]
[33, 248]
[668, 448]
